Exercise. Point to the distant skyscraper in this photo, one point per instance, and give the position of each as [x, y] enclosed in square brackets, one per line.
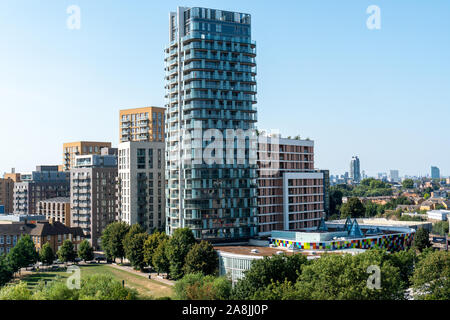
[394, 176]
[355, 169]
[210, 86]
[435, 173]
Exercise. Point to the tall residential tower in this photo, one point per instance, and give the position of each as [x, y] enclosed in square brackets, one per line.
[210, 86]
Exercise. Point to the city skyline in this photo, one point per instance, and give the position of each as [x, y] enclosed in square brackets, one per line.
[100, 69]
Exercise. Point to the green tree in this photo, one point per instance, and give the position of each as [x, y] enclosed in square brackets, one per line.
[426, 196]
[54, 290]
[202, 258]
[265, 271]
[353, 208]
[337, 277]
[127, 240]
[46, 254]
[135, 247]
[422, 239]
[22, 254]
[431, 278]
[112, 240]
[197, 286]
[66, 253]
[151, 244]
[85, 251]
[335, 200]
[404, 260]
[6, 272]
[278, 291]
[104, 287]
[177, 249]
[16, 292]
[159, 258]
[372, 209]
[408, 184]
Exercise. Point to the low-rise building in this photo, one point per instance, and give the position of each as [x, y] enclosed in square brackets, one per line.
[235, 260]
[55, 208]
[440, 215]
[55, 233]
[338, 235]
[40, 232]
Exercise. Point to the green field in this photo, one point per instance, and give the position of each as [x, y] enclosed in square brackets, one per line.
[146, 288]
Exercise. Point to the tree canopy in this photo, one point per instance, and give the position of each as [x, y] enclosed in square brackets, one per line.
[112, 240]
[85, 251]
[46, 254]
[151, 244]
[177, 249]
[66, 252]
[202, 258]
[353, 208]
[22, 254]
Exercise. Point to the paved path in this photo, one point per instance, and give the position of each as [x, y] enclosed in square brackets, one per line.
[154, 275]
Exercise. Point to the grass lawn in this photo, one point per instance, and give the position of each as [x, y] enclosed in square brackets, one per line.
[145, 287]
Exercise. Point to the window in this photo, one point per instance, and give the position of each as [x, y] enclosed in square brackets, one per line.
[8, 239]
[150, 158]
[141, 158]
[1, 239]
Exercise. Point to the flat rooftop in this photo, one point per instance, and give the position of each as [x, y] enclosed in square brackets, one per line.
[58, 199]
[269, 251]
[382, 222]
[247, 250]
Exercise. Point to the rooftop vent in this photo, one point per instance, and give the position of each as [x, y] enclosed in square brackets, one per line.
[254, 251]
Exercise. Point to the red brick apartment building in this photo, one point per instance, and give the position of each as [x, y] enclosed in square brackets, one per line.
[290, 191]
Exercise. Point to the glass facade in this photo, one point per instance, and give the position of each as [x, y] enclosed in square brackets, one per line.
[210, 84]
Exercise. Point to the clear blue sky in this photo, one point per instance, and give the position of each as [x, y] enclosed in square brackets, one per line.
[383, 95]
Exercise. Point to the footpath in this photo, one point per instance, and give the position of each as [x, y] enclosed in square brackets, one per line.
[153, 275]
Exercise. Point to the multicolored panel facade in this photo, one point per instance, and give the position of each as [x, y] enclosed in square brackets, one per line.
[391, 242]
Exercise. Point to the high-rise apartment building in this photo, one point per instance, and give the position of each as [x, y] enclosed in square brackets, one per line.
[210, 87]
[141, 124]
[355, 169]
[435, 173]
[44, 183]
[7, 194]
[141, 184]
[73, 149]
[93, 193]
[290, 191]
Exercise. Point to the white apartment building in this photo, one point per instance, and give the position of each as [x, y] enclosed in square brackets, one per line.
[142, 183]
